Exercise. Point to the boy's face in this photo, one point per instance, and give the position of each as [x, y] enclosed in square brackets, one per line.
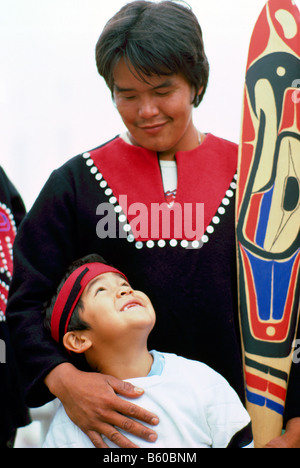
[113, 309]
[157, 113]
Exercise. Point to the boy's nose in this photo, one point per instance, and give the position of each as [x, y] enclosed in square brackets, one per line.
[124, 290]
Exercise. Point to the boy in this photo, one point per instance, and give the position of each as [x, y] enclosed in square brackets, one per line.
[98, 314]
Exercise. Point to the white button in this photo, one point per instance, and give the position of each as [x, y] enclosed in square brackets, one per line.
[161, 243]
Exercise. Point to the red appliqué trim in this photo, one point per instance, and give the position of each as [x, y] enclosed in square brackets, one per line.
[7, 237]
[205, 175]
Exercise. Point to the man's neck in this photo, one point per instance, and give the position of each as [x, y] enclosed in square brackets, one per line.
[169, 155]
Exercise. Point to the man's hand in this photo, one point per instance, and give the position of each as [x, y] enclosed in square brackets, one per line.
[291, 437]
[91, 402]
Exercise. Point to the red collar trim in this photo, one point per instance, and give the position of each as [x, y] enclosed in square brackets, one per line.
[204, 176]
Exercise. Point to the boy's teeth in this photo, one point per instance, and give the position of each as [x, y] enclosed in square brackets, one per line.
[129, 306]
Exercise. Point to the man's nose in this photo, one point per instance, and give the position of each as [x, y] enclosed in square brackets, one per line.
[148, 108]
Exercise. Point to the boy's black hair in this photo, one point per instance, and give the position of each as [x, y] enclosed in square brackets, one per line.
[160, 38]
[76, 323]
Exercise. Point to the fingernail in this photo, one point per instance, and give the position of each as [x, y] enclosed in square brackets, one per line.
[152, 437]
[154, 421]
[138, 390]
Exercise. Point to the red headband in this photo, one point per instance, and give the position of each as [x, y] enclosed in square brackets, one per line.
[70, 293]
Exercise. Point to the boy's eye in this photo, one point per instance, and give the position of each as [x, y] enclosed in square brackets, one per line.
[100, 289]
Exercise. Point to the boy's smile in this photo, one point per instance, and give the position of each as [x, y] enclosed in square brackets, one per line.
[130, 304]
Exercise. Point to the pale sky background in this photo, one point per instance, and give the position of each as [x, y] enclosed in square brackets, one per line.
[53, 103]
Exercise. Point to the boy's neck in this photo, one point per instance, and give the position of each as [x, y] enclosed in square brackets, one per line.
[126, 365]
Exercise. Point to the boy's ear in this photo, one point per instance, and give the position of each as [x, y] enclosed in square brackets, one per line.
[76, 342]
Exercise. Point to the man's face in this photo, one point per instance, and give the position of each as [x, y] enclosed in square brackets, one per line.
[158, 111]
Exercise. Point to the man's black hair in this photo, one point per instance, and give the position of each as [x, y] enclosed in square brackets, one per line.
[154, 38]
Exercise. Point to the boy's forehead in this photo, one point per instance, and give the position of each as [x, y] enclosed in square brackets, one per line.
[108, 277]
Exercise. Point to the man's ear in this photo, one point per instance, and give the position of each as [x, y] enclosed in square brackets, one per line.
[200, 91]
[76, 342]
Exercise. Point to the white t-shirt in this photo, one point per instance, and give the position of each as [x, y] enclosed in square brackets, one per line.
[169, 178]
[196, 406]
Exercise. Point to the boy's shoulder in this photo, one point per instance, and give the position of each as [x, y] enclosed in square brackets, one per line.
[192, 370]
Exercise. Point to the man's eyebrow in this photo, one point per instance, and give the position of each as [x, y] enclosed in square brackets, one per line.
[123, 90]
[164, 84]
